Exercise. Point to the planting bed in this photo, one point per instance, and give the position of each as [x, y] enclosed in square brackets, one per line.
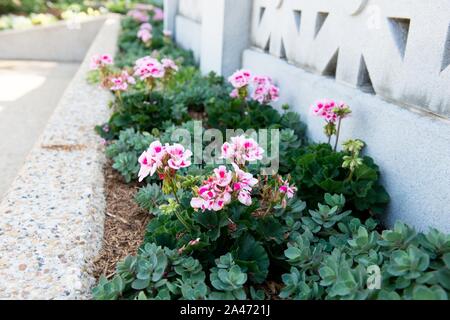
[124, 226]
[149, 223]
[226, 231]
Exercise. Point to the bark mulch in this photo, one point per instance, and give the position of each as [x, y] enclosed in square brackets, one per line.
[124, 226]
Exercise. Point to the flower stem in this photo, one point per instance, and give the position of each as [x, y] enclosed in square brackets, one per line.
[119, 98]
[337, 134]
[350, 176]
[179, 217]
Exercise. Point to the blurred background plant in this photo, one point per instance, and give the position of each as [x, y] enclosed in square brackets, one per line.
[22, 14]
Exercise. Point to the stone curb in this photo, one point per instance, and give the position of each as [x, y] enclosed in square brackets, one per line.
[51, 220]
[68, 42]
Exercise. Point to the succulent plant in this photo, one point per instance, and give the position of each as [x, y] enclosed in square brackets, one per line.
[398, 238]
[408, 263]
[150, 198]
[327, 214]
[228, 278]
[297, 288]
[108, 290]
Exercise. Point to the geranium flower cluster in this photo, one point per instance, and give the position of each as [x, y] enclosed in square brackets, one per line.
[324, 109]
[224, 185]
[138, 15]
[141, 13]
[158, 14]
[331, 112]
[164, 159]
[287, 189]
[100, 61]
[145, 32]
[120, 82]
[241, 149]
[264, 90]
[148, 67]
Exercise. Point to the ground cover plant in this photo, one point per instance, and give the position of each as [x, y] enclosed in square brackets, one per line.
[225, 231]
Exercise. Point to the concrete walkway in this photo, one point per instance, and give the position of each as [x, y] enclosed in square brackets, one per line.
[29, 92]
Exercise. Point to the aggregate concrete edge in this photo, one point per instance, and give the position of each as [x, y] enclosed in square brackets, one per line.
[51, 219]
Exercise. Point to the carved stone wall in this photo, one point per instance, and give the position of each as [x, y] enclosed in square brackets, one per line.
[191, 9]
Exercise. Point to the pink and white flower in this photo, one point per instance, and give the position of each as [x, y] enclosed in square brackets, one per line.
[143, 6]
[148, 67]
[265, 91]
[146, 26]
[145, 32]
[223, 176]
[158, 14]
[324, 109]
[169, 64]
[194, 242]
[167, 33]
[162, 158]
[118, 84]
[245, 198]
[228, 151]
[288, 190]
[211, 196]
[148, 164]
[242, 149]
[234, 93]
[144, 35]
[262, 80]
[240, 79]
[138, 15]
[121, 82]
[99, 61]
[244, 180]
[179, 157]
[127, 77]
[219, 189]
[274, 93]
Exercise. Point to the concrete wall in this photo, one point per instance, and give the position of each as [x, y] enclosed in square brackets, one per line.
[389, 60]
[191, 9]
[62, 41]
[188, 35]
[411, 148]
[184, 19]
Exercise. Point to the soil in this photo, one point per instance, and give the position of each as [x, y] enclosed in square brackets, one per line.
[125, 223]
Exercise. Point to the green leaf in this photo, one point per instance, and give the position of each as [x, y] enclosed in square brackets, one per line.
[252, 256]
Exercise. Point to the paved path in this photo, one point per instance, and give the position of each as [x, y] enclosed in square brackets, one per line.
[29, 92]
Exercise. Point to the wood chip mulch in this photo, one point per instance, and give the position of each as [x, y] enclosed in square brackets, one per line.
[125, 223]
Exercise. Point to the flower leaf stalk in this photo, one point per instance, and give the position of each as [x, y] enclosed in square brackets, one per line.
[352, 161]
